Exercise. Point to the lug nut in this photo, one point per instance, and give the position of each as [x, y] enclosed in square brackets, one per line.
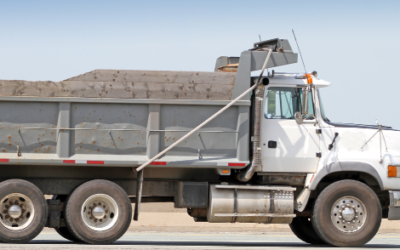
[11, 219]
[353, 221]
[6, 206]
[343, 221]
[7, 217]
[340, 211]
[356, 211]
[348, 205]
[5, 211]
[356, 217]
[340, 217]
[101, 220]
[95, 220]
[105, 216]
[91, 218]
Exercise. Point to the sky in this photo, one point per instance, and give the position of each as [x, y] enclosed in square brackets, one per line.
[352, 44]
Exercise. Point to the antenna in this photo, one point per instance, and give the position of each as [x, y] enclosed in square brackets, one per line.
[299, 52]
[260, 38]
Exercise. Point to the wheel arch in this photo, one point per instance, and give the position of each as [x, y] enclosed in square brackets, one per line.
[334, 170]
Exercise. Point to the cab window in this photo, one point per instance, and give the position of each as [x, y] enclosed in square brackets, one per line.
[283, 103]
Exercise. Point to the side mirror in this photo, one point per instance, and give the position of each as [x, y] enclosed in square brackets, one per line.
[304, 109]
[298, 117]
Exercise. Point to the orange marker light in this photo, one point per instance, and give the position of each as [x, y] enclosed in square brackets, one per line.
[309, 78]
[225, 171]
[392, 171]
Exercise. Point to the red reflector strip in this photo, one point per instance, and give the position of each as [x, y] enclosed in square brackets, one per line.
[237, 164]
[95, 162]
[158, 163]
[68, 161]
[4, 160]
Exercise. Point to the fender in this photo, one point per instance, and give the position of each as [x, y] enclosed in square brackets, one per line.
[345, 166]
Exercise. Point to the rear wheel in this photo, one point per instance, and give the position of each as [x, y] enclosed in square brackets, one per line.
[23, 211]
[303, 229]
[347, 213]
[63, 231]
[98, 212]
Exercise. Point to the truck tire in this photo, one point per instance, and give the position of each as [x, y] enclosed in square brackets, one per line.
[98, 212]
[303, 229]
[63, 231]
[347, 214]
[23, 210]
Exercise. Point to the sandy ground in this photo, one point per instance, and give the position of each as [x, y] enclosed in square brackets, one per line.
[164, 217]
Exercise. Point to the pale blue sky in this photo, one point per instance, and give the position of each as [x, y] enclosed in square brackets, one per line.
[353, 44]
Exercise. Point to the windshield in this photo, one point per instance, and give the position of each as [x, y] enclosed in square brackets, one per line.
[322, 108]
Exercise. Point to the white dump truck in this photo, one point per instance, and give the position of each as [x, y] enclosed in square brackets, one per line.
[227, 146]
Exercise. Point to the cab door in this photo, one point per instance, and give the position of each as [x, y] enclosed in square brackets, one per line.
[286, 145]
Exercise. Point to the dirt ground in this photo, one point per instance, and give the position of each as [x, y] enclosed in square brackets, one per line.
[164, 217]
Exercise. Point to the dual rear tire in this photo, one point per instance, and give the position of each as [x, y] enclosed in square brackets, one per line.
[98, 212]
[23, 211]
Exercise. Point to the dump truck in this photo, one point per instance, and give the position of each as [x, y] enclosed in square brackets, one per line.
[232, 146]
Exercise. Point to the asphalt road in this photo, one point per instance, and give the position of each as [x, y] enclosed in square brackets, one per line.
[197, 240]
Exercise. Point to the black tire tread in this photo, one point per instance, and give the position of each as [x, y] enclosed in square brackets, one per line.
[66, 234]
[303, 229]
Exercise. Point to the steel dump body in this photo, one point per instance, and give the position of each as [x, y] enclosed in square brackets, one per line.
[123, 118]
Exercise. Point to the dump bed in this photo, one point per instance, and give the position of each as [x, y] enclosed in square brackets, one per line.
[123, 117]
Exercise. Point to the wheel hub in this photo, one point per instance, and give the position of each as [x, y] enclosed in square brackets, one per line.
[14, 211]
[98, 212]
[348, 214]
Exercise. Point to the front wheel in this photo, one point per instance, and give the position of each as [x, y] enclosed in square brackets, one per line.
[347, 213]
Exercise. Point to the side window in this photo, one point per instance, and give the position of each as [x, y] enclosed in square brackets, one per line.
[282, 103]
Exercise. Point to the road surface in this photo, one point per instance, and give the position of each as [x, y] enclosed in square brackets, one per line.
[49, 239]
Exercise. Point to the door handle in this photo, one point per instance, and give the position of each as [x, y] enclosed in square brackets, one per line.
[272, 144]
